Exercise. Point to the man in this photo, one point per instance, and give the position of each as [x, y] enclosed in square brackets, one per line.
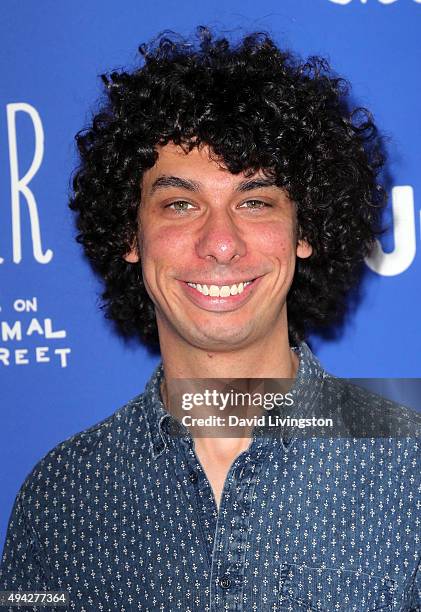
[227, 195]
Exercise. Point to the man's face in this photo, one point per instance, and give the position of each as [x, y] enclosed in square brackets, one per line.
[217, 251]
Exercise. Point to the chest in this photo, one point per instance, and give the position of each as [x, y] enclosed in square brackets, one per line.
[304, 530]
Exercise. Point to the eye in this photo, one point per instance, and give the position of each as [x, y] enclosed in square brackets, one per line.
[180, 206]
[254, 205]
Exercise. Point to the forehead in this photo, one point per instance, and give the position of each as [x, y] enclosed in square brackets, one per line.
[200, 165]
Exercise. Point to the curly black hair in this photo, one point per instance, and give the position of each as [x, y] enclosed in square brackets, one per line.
[258, 108]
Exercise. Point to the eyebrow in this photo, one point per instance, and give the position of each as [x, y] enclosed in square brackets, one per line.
[174, 181]
[251, 184]
[165, 181]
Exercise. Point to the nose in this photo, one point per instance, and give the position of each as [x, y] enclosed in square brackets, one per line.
[220, 239]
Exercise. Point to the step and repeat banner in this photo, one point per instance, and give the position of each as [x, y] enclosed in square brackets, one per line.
[62, 366]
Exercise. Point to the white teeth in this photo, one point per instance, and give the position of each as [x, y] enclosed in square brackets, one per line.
[224, 291]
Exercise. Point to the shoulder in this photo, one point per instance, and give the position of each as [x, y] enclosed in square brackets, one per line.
[88, 455]
[364, 413]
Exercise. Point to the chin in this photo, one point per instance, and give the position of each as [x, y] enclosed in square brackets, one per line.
[220, 339]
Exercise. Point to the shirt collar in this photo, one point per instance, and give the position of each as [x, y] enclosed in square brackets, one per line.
[306, 389]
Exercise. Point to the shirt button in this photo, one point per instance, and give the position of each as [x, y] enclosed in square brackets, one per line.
[225, 582]
[193, 477]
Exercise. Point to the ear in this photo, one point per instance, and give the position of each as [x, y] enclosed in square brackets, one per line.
[133, 255]
[304, 249]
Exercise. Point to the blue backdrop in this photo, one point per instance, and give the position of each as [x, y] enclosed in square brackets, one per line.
[61, 367]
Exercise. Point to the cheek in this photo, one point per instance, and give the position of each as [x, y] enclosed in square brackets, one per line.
[162, 246]
[162, 250]
[275, 240]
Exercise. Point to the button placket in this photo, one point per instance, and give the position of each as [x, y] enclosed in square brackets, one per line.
[230, 547]
[199, 492]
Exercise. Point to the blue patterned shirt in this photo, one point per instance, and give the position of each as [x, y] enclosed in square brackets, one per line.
[123, 517]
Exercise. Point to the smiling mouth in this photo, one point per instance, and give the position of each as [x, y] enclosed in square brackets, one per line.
[221, 290]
